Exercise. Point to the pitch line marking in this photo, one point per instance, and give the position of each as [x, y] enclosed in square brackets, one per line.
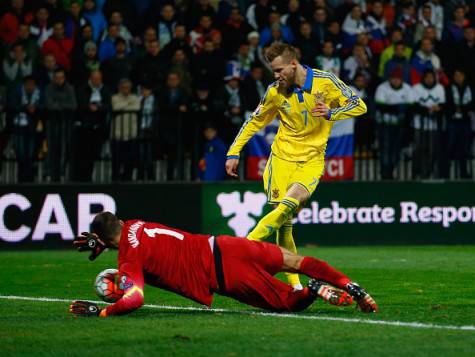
[268, 314]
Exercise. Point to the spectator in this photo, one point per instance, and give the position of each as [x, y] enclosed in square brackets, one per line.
[122, 31]
[40, 28]
[425, 20]
[147, 133]
[45, 71]
[232, 102]
[335, 35]
[11, 20]
[60, 102]
[358, 62]
[86, 35]
[208, 66]
[141, 44]
[319, 25]
[84, 66]
[441, 49]
[243, 59]
[254, 49]
[429, 99]
[118, 67]
[173, 102]
[364, 128]
[94, 104]
[235, 31]
[126, 108]
[387, 54]
[60, 46]
[353, 25]
[16, 66]
[306, 43]
[151, 68]
[293, 16]
[181, 66]
[437, 16]
[257, 14]
[107, 46]
[26, 106]
[424, 59]
[399, 60]
[464, 53]
[328, 61]
[29, 44]
[201, 33]
[392, 99]
[253, 88]
[197, 10]
[166, 24]
[214, 158]
[203, 109]
[455, 29]
[407, 22]
[459, 105]
[75, 21]
[377, 27]
[56, 10]
[266, 34]
[179, 41]
[94, 15]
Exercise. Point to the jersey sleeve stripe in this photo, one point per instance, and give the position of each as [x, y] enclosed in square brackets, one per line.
[345, 90]
[251, 116]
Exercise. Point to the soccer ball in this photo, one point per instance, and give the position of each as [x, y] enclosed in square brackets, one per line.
[106, 287]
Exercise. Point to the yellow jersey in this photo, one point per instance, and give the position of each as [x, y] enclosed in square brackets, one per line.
[301, 136]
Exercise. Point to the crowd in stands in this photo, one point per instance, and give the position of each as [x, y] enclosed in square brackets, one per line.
[138, 80]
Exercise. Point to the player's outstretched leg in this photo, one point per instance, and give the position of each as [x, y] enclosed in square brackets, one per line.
[274, 220]
[285, 239]
[320, 270]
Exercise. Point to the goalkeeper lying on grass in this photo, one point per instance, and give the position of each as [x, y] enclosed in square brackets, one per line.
[196, 266]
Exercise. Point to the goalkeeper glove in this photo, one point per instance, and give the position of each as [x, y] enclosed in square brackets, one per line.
[84, 308]
[89, 241]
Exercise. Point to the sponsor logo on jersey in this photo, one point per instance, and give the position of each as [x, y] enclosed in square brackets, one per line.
[241, 212]
[125, 283]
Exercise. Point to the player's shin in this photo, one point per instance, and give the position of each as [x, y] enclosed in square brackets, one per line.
[285, 240]
[274, 220]
[320, 270]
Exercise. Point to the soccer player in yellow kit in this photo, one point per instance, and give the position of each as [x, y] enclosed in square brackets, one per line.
[307, 102]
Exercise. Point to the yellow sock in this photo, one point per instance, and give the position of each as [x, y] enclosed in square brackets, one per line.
[274, 220]
[285, 239]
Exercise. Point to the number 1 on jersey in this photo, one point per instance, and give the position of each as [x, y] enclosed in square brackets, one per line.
[151, 232]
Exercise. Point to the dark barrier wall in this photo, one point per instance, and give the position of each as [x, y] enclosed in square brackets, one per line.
[40, 216]
[339, 213]
[355, 213]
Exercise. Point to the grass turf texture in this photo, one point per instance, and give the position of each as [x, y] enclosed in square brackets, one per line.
[410, 284]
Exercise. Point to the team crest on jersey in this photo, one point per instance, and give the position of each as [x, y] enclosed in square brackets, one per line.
[318, 97]
[285, 107]
[275, 193]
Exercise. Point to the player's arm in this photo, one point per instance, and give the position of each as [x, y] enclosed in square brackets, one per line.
[131, 282]
[263, 115]
[350, 105]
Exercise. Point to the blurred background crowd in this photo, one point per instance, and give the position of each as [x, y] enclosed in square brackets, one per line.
[121, 90]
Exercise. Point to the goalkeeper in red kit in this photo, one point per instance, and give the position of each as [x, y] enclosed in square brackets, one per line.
[196, 266]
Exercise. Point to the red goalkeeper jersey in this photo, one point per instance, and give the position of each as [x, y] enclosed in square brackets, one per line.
[164, 257]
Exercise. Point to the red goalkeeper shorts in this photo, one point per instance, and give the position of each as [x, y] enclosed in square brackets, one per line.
[248, 270]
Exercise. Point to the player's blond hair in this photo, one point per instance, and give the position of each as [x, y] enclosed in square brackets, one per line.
[287, 52]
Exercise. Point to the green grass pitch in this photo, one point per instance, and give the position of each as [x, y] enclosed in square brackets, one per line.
[429, 285]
